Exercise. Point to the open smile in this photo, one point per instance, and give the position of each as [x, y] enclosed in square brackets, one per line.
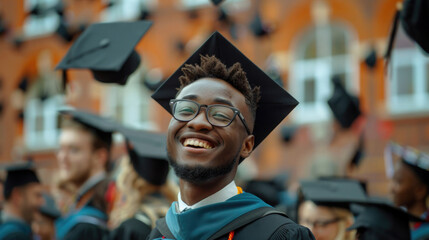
[197, 143]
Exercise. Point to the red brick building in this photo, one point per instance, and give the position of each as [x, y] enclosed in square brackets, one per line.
[309, 42]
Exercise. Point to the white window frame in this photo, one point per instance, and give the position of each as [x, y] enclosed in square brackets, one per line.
[35, 26]
[322, 70]
[133, 99]
[124, 10]
[417, 101]
[47, 138]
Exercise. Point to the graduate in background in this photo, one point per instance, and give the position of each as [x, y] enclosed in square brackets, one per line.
[143, 186]
[410, 185]
[23, 198]
[324, 207]
[83, 158]
[377, 219]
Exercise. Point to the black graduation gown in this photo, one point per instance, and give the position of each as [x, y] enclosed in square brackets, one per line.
[131, 229]
[264, 228]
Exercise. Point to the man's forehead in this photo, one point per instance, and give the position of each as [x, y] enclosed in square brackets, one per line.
[210, 86]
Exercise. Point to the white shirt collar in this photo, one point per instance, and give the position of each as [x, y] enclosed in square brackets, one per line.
[224, 194]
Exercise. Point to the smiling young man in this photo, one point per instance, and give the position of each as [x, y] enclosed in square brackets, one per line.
[223, 106]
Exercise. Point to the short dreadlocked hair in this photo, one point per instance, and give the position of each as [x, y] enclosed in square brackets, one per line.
[212, 67]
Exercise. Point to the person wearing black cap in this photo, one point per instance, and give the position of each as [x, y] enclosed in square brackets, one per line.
[410, 186]
[44, 222]
[83, 157]
[23, 198]
[142, 183]
[377, 219]
[324, 207]
[224, 108]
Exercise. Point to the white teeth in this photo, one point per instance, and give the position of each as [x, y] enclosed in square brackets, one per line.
[197, 143]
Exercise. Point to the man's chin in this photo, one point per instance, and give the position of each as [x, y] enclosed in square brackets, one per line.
[199, 174]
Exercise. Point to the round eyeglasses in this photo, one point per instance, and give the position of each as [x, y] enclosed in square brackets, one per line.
[217, 114]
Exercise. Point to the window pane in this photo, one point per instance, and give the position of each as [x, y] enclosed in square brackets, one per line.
[309, 90]
[405, 80]
[311, 50]
[339, 43]
[39, 123]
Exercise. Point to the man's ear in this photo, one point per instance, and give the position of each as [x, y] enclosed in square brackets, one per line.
[247, 147]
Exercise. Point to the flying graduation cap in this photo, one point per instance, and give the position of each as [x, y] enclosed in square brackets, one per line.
[18, 174]
[107, 49]
[275, 103]
[148, 154]
[344, 106]
[378, 219]
[415, 21]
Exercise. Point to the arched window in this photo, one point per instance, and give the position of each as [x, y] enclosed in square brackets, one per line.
[408, 83]
[321, 53]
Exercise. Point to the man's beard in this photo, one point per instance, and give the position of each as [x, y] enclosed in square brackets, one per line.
[199, 174]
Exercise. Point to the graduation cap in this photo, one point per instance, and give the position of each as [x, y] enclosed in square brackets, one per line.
[100, 126]
[148, 154]
[107, 49]
[18, 174]
[378, 218]
[216, 2]
[288, 132]
[371, 58]
[344, 106]
[258, 28]
[415, 21]
[49, 209]
[275, 103]
[417, 161]
[265, 190]
[333, 192]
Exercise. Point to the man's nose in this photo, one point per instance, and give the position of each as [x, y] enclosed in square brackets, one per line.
[200, 122]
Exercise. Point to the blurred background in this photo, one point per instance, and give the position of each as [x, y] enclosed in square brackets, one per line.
[301, 44]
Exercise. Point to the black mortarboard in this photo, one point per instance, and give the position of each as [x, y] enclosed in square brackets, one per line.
[344, 106]
[18, 174]
[275, 103]
[415, 21]
[107, 49]
[49, 208]
[333, 192]
[217, 2]
[417, 161]
[148, 154]
[258, 28]
[288, 132]
[379, 218]
[101, 126]
[265, 190]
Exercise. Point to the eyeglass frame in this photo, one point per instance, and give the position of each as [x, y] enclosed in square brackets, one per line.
[235, 110]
